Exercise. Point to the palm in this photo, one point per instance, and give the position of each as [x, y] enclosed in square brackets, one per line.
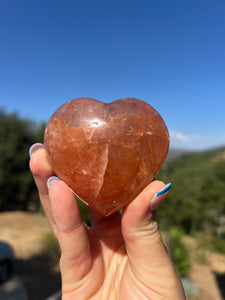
[109, 261]
[112, 275]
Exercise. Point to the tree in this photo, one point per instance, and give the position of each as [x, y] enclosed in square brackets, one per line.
[17, 190]
[197, 199]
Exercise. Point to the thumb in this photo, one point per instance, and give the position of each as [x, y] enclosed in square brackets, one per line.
[144, 245]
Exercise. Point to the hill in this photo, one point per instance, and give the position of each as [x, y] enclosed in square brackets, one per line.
[197, 199]
[175, 153]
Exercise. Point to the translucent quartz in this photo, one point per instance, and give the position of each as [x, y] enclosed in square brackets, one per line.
[106, 152]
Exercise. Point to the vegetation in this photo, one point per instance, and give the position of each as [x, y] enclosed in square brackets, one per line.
[178, 251]
[197, 199]
[195, 205]
[17, 189]
[211, 242]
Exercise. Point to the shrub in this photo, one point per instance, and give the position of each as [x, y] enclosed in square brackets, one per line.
[178, 251]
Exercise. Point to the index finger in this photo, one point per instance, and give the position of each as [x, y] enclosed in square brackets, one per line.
[41, 170]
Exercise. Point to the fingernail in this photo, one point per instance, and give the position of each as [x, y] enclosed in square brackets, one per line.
[51, 179]
[156, 200]
[164, 190]
[35, 147]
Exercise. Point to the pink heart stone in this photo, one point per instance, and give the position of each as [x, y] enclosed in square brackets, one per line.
[106, 153]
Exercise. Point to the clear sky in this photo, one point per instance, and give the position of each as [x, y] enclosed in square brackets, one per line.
[169, 53]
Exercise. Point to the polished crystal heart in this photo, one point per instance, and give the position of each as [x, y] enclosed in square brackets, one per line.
[106, 152]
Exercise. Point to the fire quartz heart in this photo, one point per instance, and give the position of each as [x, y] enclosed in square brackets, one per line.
[107, 153]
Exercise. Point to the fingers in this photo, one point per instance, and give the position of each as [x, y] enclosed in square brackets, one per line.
[140, 230]
[41, 171]
[64, 216]
[149, 262]
[71, 233]
[40, 167]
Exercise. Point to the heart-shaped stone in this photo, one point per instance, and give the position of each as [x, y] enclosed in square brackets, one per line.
[106, 153]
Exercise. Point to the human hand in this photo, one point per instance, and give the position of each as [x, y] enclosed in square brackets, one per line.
[121, 257]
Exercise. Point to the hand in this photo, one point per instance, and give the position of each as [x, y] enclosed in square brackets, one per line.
[121, 257]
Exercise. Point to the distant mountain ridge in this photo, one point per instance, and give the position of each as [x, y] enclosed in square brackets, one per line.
[175, 153]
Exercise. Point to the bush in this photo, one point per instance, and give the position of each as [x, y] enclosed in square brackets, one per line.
[197, 191]
[218, 244]
[178, 251]
[17, 188]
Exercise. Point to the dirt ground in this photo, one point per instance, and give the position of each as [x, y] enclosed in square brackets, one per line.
[25, 233]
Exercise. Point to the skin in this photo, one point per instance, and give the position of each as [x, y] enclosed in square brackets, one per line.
[118, 257]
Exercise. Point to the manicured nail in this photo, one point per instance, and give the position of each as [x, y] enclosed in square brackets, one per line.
[164, 190]
[35, 147]
[51, 179]
[156, 200]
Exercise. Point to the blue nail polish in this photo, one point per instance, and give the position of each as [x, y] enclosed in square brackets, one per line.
[51, 179]
[164, 190]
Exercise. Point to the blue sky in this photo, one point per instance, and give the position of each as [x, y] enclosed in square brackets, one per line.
[170, 54]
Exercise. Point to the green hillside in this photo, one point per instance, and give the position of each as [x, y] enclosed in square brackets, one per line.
[197, 198]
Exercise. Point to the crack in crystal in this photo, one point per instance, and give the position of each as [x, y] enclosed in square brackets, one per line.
[104, 167]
